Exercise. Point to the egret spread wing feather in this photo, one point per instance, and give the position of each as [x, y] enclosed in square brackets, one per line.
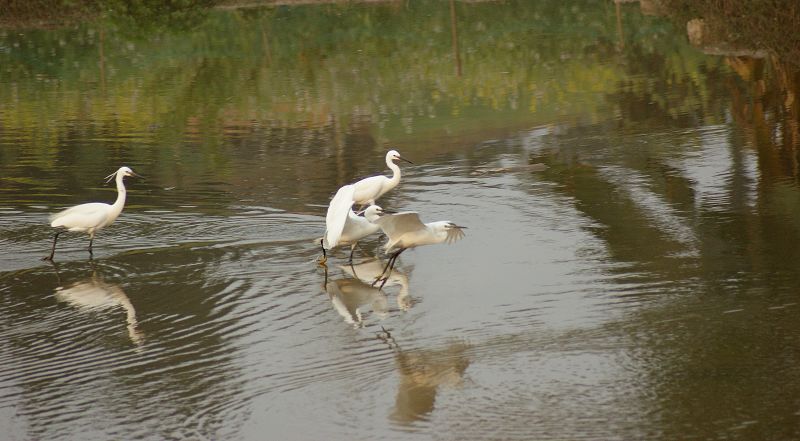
[81, 217]
[337, 215]
[395, 225]
[454, 233]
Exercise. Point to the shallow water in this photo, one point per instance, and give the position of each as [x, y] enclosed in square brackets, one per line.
[642, 284]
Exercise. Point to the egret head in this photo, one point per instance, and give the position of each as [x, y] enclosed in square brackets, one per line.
[394, 155]
[373, 213]
[123, 171]
[451, 225]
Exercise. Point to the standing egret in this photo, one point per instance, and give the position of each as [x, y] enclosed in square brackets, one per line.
[343, 226]
[368, 190]
[405, 230]
[91, 217]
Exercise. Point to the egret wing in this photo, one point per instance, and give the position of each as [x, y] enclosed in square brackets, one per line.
[337, 215]
[395, 225]
[454, 233]
[82, 216]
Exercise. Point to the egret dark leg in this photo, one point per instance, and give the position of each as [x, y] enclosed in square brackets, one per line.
[394, 261]
[324, 255]
[53, 250]
[91, 239]
[384, 269]
[352, 249]
[389, 266]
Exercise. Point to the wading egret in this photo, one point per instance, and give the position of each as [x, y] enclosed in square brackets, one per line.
[405, 230]
[91, 217]
[368, 190]
[343, 226]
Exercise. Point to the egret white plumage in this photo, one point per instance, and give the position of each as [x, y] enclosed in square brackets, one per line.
[343, 225]
[405, 230]
[91, 217]
[368, 190]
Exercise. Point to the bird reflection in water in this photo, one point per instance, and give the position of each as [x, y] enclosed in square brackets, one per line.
[350, 294]
[422, 374]
[94, 294]
[369, 271]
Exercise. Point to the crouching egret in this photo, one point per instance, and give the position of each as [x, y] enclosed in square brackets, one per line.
[343, 226]
[368, 190]
[405, 230]
[91, 217]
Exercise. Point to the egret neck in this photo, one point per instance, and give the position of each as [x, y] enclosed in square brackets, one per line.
[395, 179]
[116, 207]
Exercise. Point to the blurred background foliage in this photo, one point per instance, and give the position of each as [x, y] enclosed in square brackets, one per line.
[770, 25]
[166, 76]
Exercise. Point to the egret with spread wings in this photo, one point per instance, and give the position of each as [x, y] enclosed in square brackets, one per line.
[405, 230]
[343, 226]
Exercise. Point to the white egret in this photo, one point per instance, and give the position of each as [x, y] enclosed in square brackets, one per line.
[368, 190]
[405, 230]
[91, 217]
[343, 225]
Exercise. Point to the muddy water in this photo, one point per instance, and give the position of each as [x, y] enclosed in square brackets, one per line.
[628, 270]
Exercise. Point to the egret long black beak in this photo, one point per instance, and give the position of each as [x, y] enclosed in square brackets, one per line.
[404, 159]
[136, 175]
